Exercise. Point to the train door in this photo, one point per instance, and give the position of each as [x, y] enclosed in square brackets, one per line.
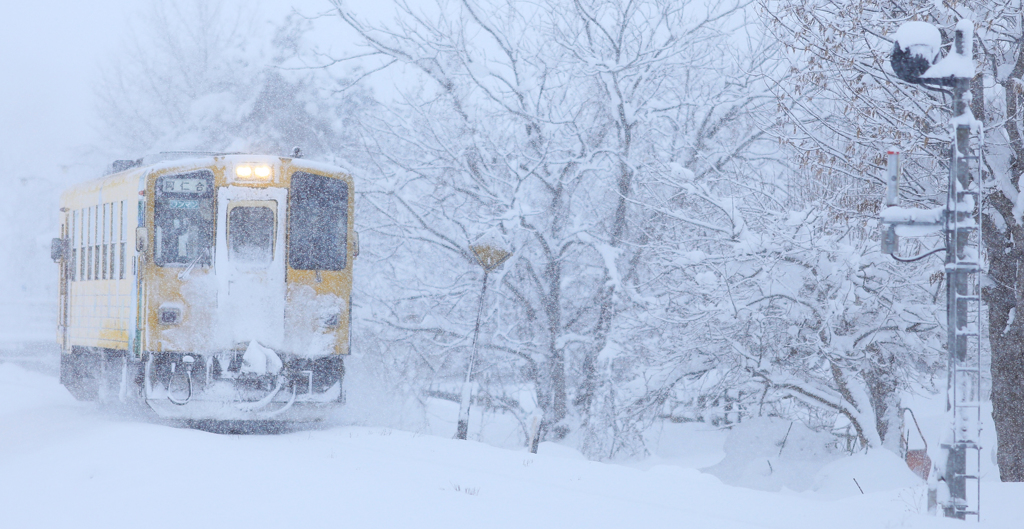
[250, 264]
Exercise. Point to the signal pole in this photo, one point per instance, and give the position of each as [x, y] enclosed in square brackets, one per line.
[914, 61]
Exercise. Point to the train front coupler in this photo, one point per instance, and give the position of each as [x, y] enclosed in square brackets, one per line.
[257, 384]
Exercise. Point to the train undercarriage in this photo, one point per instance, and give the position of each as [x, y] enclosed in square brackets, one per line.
[218, 386]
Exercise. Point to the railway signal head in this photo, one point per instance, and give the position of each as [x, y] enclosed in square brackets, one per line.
[915, 51]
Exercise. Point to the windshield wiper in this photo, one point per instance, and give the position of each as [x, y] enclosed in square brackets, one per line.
[184, 274]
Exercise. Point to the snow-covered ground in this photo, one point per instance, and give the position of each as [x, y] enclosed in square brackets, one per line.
[69, 464]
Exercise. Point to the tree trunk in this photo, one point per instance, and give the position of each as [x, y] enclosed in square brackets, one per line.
[1003, 295]
[606, 299]
[1007, 389]
[883, 384]
[556, 410]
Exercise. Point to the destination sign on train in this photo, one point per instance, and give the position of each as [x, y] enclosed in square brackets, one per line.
[185, 185]
[183, 204]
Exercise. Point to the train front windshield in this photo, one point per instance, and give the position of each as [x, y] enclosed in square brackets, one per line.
[184, 219]
[318, 223]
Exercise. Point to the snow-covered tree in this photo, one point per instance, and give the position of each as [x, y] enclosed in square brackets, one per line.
[542, 120]
[997, 101]
[688, 195]
[851, 108]
[201, 76]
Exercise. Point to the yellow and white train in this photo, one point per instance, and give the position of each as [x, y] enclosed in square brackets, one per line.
[209, 287]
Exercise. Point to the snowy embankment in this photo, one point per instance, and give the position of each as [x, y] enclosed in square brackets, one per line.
[69, 464]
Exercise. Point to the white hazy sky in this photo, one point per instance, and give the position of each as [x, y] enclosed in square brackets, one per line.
[49, 52]
[50, 55]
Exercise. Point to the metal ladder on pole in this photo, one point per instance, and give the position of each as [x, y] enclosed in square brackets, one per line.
[964, 268]
[965, 262]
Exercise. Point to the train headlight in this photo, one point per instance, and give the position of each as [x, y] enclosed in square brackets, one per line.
[254, 172]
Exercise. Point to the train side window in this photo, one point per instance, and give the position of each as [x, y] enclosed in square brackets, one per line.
[109, 249]
[74, 246]
[318, 222]
[113, 240]
[88, 242]
[81, 244]
[120, 265]
[251, 235]
[104, 216]
[96, 242]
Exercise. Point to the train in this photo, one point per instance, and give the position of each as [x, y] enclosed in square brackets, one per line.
[208, 286]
